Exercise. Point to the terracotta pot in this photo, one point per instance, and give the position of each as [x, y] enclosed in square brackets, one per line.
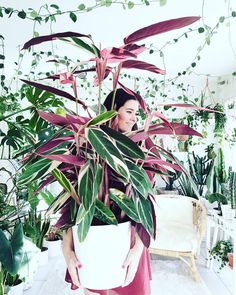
[230, 257]
[102, 254]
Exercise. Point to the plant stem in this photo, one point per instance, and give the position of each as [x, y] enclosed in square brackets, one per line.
[17, 112]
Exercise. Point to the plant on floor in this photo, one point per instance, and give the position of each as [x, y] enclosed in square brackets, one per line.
[15, 254]
[92, 149]
[220, 251]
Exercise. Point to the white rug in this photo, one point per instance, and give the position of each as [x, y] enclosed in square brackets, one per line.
[169, 278]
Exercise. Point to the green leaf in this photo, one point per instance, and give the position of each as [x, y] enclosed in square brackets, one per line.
[130, 4]
[34, 171]
[221, 19]
[125, 144]
[86, 182]
[234, 73]
[233, 13]
[81, 7]
[48, 197]
[193, 64]
[102, 118]
[54, 6]
[80, 43]
[97, 181]
[73, 16]
[104, 146]
[144, 210]
[139, 179]
[84, 219]
[11, 251]
[22, 14]
[201, 30]
[108, 3]
[64, 182]
[104, 214]
[163, 2]
[125, 203]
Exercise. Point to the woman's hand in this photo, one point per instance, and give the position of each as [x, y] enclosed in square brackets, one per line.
[132, 261]
[71, 260]
[73, 265]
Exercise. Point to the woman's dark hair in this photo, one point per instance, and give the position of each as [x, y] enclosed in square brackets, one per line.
[121, 97]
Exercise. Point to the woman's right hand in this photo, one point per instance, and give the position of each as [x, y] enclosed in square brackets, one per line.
[73, 265]
[72, 262]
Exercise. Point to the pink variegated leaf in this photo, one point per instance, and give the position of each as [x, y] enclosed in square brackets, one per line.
[77, 72]
[159, 28]
[54, 91]
[67, 78]
[142, 65]
[134, 48]
[118, 55]
[160, 162]
[81, 120]
[45, 38]
[175, 129]
[139, 136]
[53, 118]
[70, 159]
[53, 143]
[136, 95]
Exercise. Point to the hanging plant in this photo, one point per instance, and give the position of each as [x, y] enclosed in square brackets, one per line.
[220, 120]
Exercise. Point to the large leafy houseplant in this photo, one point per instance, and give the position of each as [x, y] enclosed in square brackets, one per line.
[86, 151]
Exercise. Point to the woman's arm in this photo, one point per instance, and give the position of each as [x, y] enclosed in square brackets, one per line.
[132, 260]
[71, 260]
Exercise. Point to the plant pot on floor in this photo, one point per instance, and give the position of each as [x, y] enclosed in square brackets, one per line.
[54, 248]
[230, 257]
[102, 254]
[17, 289]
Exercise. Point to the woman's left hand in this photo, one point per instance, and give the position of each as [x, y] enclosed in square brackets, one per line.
[132, 261]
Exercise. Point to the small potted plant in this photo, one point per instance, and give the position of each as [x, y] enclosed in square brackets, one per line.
[53, 241]
[220, 252]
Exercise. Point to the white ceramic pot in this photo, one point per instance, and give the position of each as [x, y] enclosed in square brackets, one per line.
[54, 248]
[43, 257]
[102, 255]
[16, 290]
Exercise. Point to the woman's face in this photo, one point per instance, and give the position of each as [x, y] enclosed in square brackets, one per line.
[127, 115]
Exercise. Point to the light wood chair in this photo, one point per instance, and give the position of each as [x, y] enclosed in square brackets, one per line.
[181, 224]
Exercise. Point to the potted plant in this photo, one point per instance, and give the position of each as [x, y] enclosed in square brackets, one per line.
[15, 254]
[53, 241]
[169, 180]
[36, 227]
[220, 252]
[85, 149]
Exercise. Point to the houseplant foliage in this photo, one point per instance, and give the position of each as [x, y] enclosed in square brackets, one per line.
[85, 151]
[220, 251]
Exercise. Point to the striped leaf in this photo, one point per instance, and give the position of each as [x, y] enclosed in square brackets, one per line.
[86, 182]
[97, 180]
[34, 171]
[104, 146]
[139, 179]
[102, 118]
[84, 219]
[84, 45]
[127, 146]
[144, 211]
[58, 202]
[104, 214]
[125, 203]
[65, 183]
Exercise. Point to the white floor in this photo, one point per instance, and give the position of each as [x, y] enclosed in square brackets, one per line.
[218, 283]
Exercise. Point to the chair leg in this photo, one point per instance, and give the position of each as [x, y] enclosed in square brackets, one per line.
[193, 268]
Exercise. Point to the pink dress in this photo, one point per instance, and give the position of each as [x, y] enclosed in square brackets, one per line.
[139, 286]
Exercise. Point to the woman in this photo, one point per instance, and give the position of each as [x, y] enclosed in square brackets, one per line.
[138, 276]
